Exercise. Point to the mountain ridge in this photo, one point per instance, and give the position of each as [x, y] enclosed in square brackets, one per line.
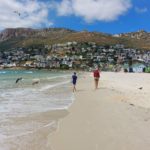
[26, 37]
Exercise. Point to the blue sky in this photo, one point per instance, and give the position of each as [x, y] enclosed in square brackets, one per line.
[110, 16]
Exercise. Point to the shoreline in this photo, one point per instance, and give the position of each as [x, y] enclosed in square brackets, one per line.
[106, 118]
[42, 69]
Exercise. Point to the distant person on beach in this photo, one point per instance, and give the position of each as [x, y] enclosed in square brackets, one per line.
[74, 81]
[96, 75]
[18, 79]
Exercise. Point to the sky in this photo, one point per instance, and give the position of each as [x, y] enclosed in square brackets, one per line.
[109, 16]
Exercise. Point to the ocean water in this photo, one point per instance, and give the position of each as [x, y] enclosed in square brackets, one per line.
[24, 107]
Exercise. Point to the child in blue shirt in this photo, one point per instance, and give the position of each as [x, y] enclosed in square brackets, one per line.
[74, 81]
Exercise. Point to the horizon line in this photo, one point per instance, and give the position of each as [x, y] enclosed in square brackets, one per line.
[82, 30]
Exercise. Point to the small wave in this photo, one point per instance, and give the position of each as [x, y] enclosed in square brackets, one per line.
[53, 85]
[36, 79]
[13, 93]
[2, 72]
[27, 132]
[64, 76]
[29, 72]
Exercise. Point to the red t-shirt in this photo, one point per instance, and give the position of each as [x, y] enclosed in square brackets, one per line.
[96, 74]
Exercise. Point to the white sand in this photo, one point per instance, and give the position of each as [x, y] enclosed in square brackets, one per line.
[128, 86]
[115, 117]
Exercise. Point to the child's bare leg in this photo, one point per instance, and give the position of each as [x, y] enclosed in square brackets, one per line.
[97, 84]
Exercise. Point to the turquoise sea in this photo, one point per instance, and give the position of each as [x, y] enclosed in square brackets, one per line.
[22, 100]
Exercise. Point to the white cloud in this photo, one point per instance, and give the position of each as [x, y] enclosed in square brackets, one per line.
[64, 8]
[92, 10]
[141, 10]
[23, 13]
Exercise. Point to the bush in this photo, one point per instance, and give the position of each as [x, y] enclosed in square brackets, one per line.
[64, 66]
[147, 70]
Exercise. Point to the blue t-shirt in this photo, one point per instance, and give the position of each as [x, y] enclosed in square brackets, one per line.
[74, 79]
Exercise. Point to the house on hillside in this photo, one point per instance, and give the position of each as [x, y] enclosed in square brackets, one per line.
[137, 66]
[28, 64]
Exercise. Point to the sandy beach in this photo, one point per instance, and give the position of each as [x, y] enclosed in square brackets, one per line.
[114, 117]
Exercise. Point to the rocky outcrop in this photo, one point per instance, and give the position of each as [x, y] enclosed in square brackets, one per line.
[11, 33]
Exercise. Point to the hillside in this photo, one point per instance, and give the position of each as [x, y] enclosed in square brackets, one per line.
[26, 37]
